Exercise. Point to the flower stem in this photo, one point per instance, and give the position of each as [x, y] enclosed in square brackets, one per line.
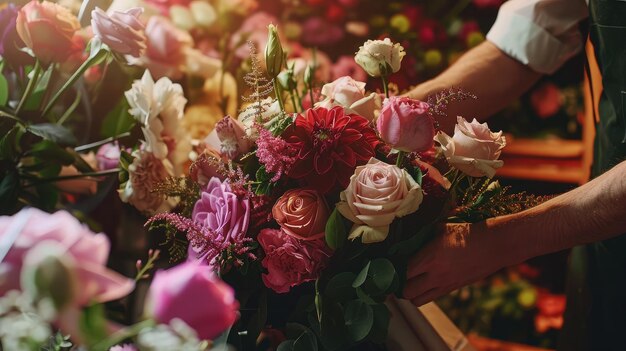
[10, 116]
[279, 96]
[123, 334]
[73, 176]
[29, 87]
[385, 85]
[101, 54]
[400, 159]
[101, 142]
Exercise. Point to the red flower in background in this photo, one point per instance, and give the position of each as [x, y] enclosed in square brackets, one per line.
[330, 145]
[550, 314]
[431, 33]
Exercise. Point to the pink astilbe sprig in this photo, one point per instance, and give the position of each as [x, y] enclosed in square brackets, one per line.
[218, 254]
[275, 154]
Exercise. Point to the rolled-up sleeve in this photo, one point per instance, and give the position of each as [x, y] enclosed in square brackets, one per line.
[542, 34]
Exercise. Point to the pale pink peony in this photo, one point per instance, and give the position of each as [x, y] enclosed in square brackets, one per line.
[377, 194]
[406, 125]
[301, 213]
[47, 29]
[350, 94]
[122, 31]
[194, 294]
[289, 261]
[87, 251]
[474, 149]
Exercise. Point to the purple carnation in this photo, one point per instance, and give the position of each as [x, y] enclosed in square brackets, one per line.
[222, 215]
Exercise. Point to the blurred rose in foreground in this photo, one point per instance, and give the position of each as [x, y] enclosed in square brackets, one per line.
[194, 294]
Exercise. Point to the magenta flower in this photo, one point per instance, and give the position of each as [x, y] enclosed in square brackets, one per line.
[222, 215]
[194, 294]
[275, 154]
[289, 261]
[122, 31]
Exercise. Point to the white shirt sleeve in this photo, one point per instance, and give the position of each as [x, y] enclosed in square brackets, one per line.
[542, 34]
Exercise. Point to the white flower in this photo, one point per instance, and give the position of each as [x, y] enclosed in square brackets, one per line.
[176, 336]
[269, 111]
[474, 149]
[375, 55]
[158, 107]
[350, 94]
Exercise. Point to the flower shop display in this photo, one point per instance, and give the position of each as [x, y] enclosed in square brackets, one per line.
[290, 191]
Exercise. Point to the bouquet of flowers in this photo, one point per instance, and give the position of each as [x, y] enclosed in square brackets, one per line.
[312, 214]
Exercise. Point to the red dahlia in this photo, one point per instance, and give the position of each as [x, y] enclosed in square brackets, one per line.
[330, 145]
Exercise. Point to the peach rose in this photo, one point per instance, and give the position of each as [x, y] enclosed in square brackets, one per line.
[474, 149]
[47, 29]
[350, 94]
[301, 213]
[377, 194]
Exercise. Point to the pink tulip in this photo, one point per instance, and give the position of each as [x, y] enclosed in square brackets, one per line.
[87, 250]
[406, 125]
[194, 294]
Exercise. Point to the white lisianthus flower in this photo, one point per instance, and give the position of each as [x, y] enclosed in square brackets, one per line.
[159, 107]
[175, 336]
[378, 55]
[474, 149]
[269, 110]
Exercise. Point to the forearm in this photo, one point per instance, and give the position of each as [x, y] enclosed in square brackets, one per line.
[485, 71]
[592, 212]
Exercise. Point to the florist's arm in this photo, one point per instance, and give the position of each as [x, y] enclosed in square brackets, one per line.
[464, 253]
[528, 39]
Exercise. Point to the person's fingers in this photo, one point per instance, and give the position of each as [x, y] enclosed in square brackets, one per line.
[427, 297]
[420, 285]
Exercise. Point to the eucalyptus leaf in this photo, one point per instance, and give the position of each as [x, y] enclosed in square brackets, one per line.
[359, 318]
[382, 273]
[48, 151]
[4, 90]
[10, 143]
[381, 323]
[360, 279]
[339, 287]
[336, 234]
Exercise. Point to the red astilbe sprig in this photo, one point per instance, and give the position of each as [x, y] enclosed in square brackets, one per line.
[219, 255]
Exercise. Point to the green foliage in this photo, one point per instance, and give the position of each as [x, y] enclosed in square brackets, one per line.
[58, 342]
[53, 132]
[93, 324]
[264, 185]
[184, 188]
[118, 121]
[336, 233]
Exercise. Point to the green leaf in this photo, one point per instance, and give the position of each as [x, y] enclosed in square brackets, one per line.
[339, 287]
[382, 273]
[79, 162]
[336, 234]
[53, 132]
[302, 337]
[286, 345]
[257, 321]
[118, 121]
[48, 196]
[359, 318]
[9, 189]
[93, 324]
[414, 243]
[333, 332]
[418, 175]
[360, 279]
[4, 89]
[47, 151]
[10, 143]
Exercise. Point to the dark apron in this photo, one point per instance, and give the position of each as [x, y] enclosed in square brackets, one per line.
[595, 318]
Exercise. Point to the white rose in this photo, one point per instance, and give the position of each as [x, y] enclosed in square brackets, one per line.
[474, 149]
[377, 194]
[350, 94]
[376, 53]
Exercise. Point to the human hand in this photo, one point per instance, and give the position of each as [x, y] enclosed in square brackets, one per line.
[462, 254]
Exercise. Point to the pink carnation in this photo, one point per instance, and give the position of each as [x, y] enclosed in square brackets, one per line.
[289, 261]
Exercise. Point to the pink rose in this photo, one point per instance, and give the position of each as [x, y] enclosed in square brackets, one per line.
[473, 149]
[289, 261]
[254, 29]
[194, 294]
[166, 49]
[377, 194]
[87, 251]
[346, 66]
[317, 31]
[222, 214]
[47, 29]
[349, 94]
[301, 213]
[122, 31]
[406, 125]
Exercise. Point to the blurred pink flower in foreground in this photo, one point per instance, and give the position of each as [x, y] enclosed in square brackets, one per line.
[193, 293]
[87, 251]
[122, 31]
